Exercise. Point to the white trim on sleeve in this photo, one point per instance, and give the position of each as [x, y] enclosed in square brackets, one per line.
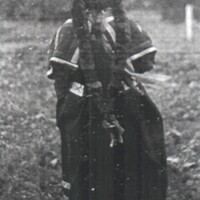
[57, 37]
[140, 54]
[109, 28]
[49, 72]
[75, 57]
[109, 19]
[61, 61]
[68, 21]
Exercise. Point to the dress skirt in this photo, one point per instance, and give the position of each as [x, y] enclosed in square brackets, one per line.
[132, 170]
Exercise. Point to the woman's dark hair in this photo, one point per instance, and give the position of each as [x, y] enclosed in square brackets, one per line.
[80, 22]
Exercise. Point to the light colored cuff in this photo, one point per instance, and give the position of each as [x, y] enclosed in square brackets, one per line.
[77, 89]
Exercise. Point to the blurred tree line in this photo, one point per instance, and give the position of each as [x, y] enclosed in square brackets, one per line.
[35, 9]
[57, 10]
[174, 10]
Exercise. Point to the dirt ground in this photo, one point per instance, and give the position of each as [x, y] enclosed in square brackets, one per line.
[29, 140]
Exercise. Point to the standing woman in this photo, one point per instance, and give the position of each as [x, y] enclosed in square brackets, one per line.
[112, 140]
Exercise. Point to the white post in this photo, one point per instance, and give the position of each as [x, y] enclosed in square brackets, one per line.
[189, 21]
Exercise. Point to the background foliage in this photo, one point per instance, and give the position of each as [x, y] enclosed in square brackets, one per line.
[34, 9]
[29, 141]
[55, 10]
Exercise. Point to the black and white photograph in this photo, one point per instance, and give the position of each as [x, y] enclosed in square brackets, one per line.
[99, 100]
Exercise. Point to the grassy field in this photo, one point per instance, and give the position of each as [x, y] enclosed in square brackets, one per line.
[29, 140]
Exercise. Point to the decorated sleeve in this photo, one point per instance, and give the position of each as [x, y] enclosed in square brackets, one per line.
[141, 50]
[64, 50]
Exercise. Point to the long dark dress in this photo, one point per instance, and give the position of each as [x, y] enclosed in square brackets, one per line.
[92, 170]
